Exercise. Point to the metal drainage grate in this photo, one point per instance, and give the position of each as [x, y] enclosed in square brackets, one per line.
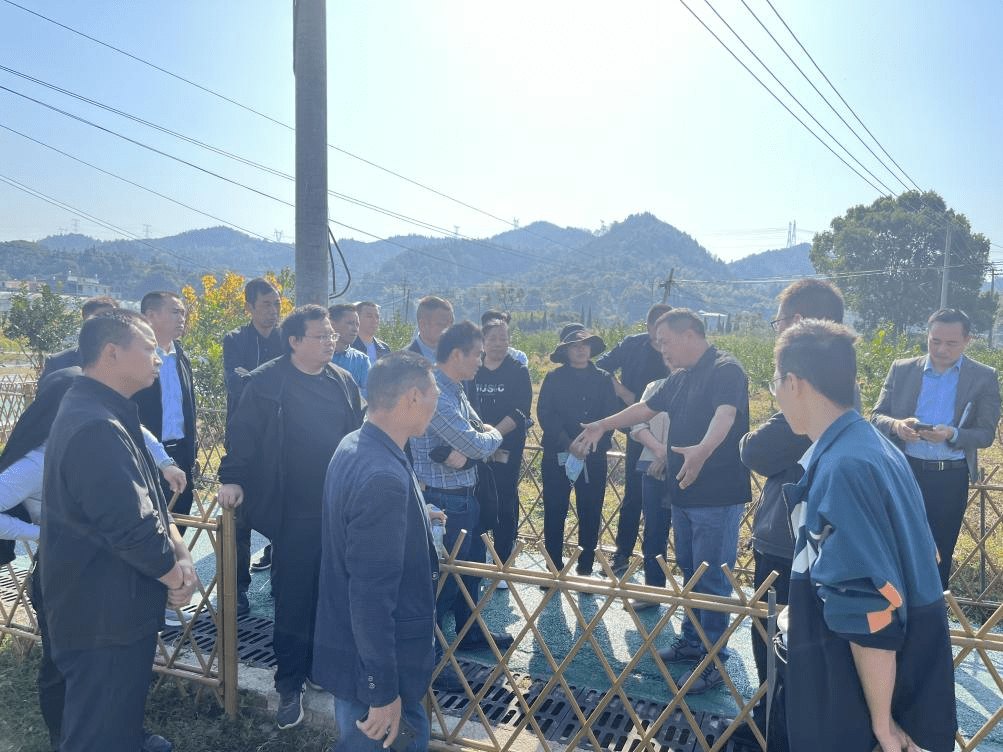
[558, 722]
[254, 638]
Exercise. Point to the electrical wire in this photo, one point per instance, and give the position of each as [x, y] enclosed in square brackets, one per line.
[833, 87]
[291, 128]
[143, 187]
[107, 225]
[824, 98]
[791, 95]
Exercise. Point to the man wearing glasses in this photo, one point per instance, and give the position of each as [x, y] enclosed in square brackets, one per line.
[939, 409]
[294, 412]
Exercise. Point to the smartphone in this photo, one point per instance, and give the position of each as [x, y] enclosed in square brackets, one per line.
[922, 427]
[405, 737]
[405, 734]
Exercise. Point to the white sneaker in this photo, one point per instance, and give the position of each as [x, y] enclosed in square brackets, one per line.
[502, 584]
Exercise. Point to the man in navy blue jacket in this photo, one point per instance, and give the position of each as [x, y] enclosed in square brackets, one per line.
[374, 641]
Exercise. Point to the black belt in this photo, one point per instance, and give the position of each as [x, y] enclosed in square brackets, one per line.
[937, 465]
[465, 491]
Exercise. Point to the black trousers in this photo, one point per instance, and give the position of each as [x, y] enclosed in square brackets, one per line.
[507, 483]
[51, 685]
[177, 452]
[764, 565]
[630, 508]
[105, 695]
[589, 495]
[945, 496]
[295, 574]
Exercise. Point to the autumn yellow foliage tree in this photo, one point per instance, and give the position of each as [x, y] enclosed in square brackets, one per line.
[211, 314]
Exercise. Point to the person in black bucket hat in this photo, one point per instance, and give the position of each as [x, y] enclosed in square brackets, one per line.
[573, 394]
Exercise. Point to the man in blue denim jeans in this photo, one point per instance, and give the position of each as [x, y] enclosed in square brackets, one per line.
[707, 399]
[457, 431]
[375, 628]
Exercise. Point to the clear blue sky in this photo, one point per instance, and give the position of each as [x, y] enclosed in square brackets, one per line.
[572, 112]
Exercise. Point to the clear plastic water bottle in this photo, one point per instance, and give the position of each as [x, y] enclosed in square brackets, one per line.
[438, 533]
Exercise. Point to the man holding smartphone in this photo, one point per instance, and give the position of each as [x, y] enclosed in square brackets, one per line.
[939, 409]
[374, 644]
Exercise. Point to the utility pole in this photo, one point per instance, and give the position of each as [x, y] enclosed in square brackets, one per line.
[992, 296]
[667, 285]
[310, 69]
[947, 268]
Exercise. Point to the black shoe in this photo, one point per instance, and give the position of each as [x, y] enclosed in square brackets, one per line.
[475, 639]
[620, 565]
[264, 561]
[290, 711]
[243, 606]
[448, 681]
[154, 743]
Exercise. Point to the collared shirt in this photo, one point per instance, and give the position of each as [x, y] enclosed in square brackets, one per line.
[170, 396]
[935, 405]
[425, 350]
[356, 363]
[450, 426]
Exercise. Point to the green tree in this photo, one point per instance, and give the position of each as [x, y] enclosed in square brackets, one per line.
[40, 323]
[905, 237]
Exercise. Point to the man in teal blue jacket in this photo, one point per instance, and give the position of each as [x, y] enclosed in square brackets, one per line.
[869, 655]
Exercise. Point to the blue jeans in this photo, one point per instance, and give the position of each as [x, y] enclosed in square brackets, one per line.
[350, 739]
[707, 534]
[657, 515]
[462, 513]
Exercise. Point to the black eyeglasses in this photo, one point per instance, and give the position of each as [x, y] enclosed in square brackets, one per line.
[774, 384]
[776, 322]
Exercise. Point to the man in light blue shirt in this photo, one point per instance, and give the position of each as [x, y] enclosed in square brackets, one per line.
[345, 321]
[434, 316]
[940, 409]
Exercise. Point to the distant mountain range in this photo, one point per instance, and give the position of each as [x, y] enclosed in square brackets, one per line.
[568, 272]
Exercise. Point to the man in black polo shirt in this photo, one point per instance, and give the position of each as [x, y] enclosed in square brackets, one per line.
[639, 363]
[707, 399]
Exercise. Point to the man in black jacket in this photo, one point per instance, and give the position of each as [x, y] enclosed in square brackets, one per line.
[369, 323]
[70, 357]
[376, 613]
[244, 349]
[167, 407]
[294, 412]
[639, 363]
[113, 558]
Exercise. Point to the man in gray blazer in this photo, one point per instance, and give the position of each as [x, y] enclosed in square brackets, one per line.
[940, 409]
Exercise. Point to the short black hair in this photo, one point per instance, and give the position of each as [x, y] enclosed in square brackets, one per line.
[489, 324]
[257, 287]
[340, 309]
[821, 353]
[462, 336]
[657, 311]
[812, 298]
[950, 316]
[393, 375]
[491, 313]
[118, 326]
[294, 324]
[431, 303]
[154, 301]
[92, 305]
[681, 319]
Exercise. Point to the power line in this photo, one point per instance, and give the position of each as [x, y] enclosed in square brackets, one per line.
[142, 187]
[824, 98]
[107, 225]
[841, 99]
[791, 95]
[248, 162]
[288, 127]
